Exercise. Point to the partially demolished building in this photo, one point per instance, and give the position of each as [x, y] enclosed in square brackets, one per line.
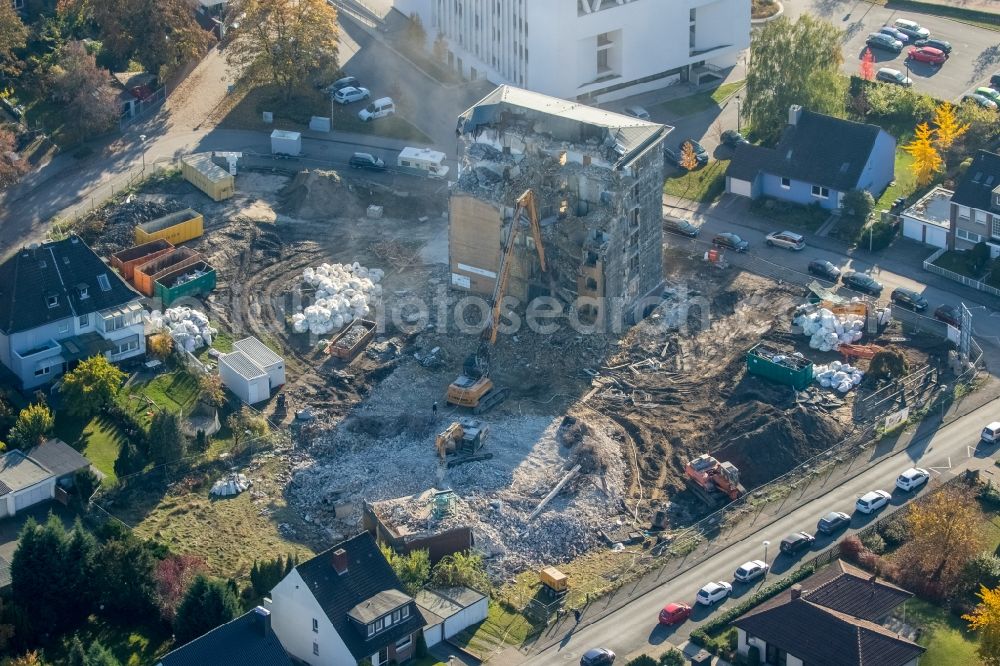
[597, 177]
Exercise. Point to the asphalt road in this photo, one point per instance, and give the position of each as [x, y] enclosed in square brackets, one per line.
[634, 627]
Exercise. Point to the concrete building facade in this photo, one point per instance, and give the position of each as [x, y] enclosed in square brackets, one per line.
[596, 50]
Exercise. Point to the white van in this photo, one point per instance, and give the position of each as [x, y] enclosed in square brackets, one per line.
[422, 162]
[991, 433]
[380, 108]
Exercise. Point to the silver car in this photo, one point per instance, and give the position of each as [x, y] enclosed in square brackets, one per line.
[786, 239]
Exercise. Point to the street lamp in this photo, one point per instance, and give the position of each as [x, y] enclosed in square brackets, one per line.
[142, 141]
[766, 544]
[739, 113]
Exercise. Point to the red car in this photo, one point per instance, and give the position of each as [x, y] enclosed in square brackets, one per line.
[674, 613]
[927, 54]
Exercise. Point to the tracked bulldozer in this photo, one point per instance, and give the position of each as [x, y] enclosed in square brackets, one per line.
[462, 442]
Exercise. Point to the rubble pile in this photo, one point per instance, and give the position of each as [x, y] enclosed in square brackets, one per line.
[837, 375]
[827, 331]
[343, 293]
[188, 328]
[312, 195]
[120, 221]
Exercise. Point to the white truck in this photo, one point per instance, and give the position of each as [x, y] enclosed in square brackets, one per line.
[422, 162]
[285, 143]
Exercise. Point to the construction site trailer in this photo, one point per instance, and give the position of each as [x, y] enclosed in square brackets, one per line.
[284, 142]
[352, 340]
[192, 280]
[145, 275]
[780, 366]
[265, 357]
[422, 162]
[207, 176]
[126, 260]
[247, 380]
[174, 228]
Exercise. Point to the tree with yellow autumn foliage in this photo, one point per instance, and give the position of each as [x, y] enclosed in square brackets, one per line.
[926, 159]
[947, 128]
[946, 535]
[689, 161]
[986, 620]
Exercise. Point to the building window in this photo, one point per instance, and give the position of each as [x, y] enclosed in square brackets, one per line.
[84, 321]
[395, 616]
[820, 192]
[52, 300]
[84, 293]
[102, 280]
[996, 227]
[315, 648]
[403, 643]
[315, 626]
[963, 212]
[371, 629]
[404, 612]
[968, 235]
[64, 327]
[602, 61]
[18, 4]
[125, 347]
[786, 183]
[980, 217]
[43, 370]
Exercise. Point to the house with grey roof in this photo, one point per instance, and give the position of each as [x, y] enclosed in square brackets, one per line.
[833, 618]
[817, 160]
[60, 304]
[344, 606]
[30, 477]
[246, 641]
[975, 205]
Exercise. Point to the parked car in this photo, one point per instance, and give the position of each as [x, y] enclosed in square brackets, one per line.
[832, 522]
[877, 40]
[872, 501]
[890, 75]
[732, 138]
[939, 44]
[700, 154]
[713, 592]
[988, 92]
[680, 226]
[731, 241]
[786, 239]
[911, 29]
[674, 613]
[351, 94]
[991, 433]
[346, 82]
[597, 657]
[637, 112]
[995, 81]
[824, 269]
[794, 543]
[895, 34]
[927, 54]
[912, 478]
[862, 282]
[366, 161]
[380, 108]
[751, 571]
[908, 299]
[949, 315]
[981, 100]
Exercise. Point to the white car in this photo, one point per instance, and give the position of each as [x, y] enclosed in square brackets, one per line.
[351, 94]
[873, 501]
[637, 112]
[991, 433]
[912, 478]
[751, 571]
[713, 592]
[786, 239]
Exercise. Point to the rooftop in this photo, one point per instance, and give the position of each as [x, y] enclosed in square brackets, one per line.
[53, 457]
[257, 351]
[980, 181]
[242, 365]
[933, 208]
[241, 642]
[447, 601]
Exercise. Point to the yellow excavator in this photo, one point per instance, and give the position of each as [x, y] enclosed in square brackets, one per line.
[474, 388]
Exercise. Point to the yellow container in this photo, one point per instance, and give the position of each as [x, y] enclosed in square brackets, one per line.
[207, 176]
[554, 578]
[174, 228]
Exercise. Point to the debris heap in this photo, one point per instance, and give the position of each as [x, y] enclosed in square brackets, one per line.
[343, 293]
[189, 329]
[827, 330]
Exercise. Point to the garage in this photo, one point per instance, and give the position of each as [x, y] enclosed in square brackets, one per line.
[743, 188]
[247, 380]
[929, 219]
[458, 608]
[924, 232]
[29, 478]
[34, 495]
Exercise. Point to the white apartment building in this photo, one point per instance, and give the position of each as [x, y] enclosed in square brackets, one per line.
[591, 50]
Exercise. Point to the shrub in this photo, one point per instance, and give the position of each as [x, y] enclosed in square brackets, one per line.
[874, 542]
[978, 257]
[876, 236]
[895, 532]
[990, 494]
[672, 657]
[888, 364]
[859, 204]
[851, 547]
[642, 660]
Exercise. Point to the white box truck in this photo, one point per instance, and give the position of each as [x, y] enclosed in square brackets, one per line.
[285, 143]
[422, 162]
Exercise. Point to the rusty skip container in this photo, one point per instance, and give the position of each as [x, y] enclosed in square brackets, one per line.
[199, 170]
[145, 275]
[352, 340]
[126, 261]
[174, 228]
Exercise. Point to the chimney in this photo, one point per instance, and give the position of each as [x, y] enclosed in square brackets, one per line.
[794, 113]
[340, 561]
[796, 591]
[262, 620]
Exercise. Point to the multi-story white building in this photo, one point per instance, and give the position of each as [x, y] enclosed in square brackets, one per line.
[593, 50]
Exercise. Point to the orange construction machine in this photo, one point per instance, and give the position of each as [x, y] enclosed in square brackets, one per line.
[711, 476]
[474, 388]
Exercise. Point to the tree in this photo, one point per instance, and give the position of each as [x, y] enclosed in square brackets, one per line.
[986, 620]
[174, 575]
[866, 69]
[31, 658]
[926, 159]
[947, 128]
[983, 570]
[265, 575]
[462, 569]
[979, 257]
[160, 345]
[416, 35]
[206, 605]
[34, 424]
[126, 581]
[93, 655]
[945, 535]
[167, 442]
[859, 204]
[282, 42]
[91, 386]
[672, 657]
[13, 38]
[86, 482]
[412, 569]
[247, 425]
[84, 90]
[12, 166]
[211, 391]
[983, 126]
[641, 660]
[793, 63]
[688, 160]
[130, 460]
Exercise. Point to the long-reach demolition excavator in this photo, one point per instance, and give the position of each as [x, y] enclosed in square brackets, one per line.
[474, 388]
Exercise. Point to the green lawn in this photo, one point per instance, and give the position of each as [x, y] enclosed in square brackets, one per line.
[790, 215]
[943, 634]
[500, 628]
[98, 438]
[175, 391]
[704, 185]
[686, 106]
[904, 185]
[956, 262]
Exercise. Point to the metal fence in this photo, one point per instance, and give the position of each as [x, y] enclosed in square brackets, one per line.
[930, 267]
